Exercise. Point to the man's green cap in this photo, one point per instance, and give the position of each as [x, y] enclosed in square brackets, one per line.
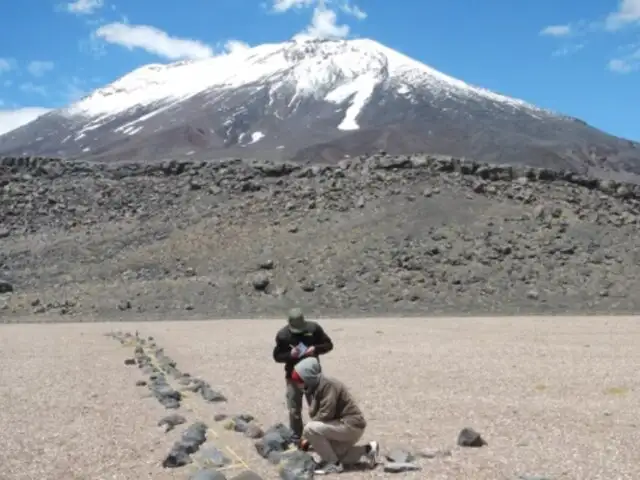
[297, 323]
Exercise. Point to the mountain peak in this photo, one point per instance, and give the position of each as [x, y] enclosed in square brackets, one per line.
[307, 98]
[308, 66]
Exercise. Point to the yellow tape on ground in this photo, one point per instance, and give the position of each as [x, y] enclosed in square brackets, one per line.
[189, 395]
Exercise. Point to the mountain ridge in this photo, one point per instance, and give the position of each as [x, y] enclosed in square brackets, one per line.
[310, 99]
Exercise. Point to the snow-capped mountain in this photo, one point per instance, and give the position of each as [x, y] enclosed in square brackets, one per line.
[311, 99]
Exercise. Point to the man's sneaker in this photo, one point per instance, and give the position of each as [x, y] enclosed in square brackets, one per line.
[373, 453]
[328, 468]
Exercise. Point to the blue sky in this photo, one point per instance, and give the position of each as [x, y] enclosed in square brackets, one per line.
[581, 58]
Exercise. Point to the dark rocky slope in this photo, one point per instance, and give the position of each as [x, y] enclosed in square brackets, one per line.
[376, 235]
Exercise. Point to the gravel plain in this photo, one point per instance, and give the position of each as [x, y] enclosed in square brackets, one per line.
[554, 397]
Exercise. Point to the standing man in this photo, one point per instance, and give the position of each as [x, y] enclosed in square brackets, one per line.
[299, 339]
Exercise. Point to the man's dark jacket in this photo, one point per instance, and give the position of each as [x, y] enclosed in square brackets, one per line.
[313, 336]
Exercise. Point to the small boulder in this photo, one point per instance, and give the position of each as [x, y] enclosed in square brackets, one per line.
[296, 465]
[468, 437]
[5, 286]
[171, 421]
[213, 457]
[253, 431]
[260, 282]
[400, 456]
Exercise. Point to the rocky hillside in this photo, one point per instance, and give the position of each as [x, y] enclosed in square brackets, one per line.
[375, 235]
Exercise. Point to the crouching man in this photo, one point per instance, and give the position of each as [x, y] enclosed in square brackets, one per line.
[337, 423]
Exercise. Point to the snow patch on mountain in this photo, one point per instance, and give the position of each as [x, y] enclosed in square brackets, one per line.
[336, 70]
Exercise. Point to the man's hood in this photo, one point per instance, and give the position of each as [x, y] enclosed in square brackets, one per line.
[308, 369]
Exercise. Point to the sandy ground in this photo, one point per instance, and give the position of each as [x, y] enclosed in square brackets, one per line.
[553, 396]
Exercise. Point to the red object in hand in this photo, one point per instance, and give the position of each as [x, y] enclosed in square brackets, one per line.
[304, 445]
[296, 378]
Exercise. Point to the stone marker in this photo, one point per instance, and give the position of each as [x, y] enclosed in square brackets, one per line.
[296, 465]
[192, 438]
[275, 439]
[171, 421]
[213, 457]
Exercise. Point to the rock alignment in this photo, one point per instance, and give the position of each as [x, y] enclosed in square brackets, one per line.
[274, 444]
[370, 235]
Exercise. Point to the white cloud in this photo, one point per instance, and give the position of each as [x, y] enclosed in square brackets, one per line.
[12, 119]
[37, 68]
[353, 10]
[154, 41]
[628, 12]
[626, 64]
[33, 88]
[282, 6]
[567, 50]
[6, 64]
[84, 7]
[556, 30]
[234, 46]
[324, 24]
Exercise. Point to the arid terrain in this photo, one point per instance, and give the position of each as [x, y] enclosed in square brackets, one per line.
[378, 235]
[554, 397]
[373, 241]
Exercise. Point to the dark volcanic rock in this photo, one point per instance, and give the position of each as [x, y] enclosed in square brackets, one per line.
[468, 437]
[171, 421]
[5, 287]
[276, 439]
[526, 241]
[190, 441]
[296, 465]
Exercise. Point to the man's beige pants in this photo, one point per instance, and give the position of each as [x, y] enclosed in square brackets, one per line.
[335, 442]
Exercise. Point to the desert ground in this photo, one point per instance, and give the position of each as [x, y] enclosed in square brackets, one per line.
[554, 397]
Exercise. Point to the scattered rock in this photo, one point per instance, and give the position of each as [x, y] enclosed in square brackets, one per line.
[165, 394]
[400, 456]
[545, 232]
[253, 431]
[130, 361]
[267, 264]
[277, 438]
[396, 467]
[212, 396]
[468, 437]
[171, 421]
[260, 282]
[296, 465]
[5, 287]
[141, 383]
[192, 438]
[124, 305]
[213, 457]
